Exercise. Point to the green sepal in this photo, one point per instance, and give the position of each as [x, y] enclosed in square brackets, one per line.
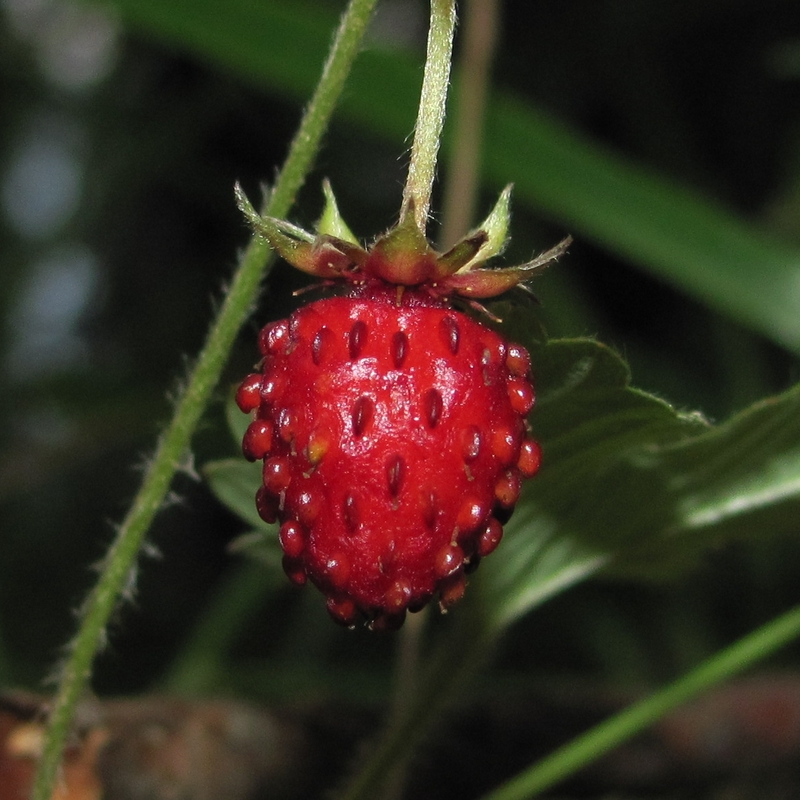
[318, 256]
[331, 221]
[484, 283]
[495, 226]
[462, 252]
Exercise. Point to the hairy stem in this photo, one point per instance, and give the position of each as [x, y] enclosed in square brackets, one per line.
[430, 117]
[463, 174]
[119, 566]
[599, 740]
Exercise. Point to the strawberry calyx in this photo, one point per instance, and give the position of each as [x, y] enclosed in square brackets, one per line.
[403, 256]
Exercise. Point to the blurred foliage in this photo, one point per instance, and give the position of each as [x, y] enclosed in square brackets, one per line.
[663, 136]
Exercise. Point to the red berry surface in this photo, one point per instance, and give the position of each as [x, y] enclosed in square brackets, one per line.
[394, 440]
[392, 426]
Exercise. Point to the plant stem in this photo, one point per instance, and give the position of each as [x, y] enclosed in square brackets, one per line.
[609, 734]
[118, 574]
[457, 659]
[430, 117]
[463, 169]
[408, 662]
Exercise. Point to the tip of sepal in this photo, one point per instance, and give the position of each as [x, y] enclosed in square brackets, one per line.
[319, 256]
[548, 257]
[495, 227]
[245, 206]
[331, 222]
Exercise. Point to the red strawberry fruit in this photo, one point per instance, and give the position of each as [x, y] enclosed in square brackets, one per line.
[391, 425]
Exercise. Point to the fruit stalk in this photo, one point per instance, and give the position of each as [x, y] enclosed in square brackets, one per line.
[430, 117]
[118, 571]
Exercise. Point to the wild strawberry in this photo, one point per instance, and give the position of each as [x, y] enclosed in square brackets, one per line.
[392, 427]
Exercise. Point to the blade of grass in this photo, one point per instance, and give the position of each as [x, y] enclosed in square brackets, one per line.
[118, 570]
[666, 227]
[604, 737]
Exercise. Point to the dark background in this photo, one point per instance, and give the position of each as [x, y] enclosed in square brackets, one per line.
[118, 231]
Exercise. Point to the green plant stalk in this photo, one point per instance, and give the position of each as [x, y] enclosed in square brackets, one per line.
[458, 658]
[432, 107]
[118, 572]
[587, 748]
[408, 661]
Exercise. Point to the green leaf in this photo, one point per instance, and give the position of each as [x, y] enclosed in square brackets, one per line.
[577, 514]
[663, 226]
[740, 479]
[535, 563]
[631, 487]
[331, 222]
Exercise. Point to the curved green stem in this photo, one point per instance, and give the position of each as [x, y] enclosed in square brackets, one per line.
[604, 737]
[430, 117]
[118, 573]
